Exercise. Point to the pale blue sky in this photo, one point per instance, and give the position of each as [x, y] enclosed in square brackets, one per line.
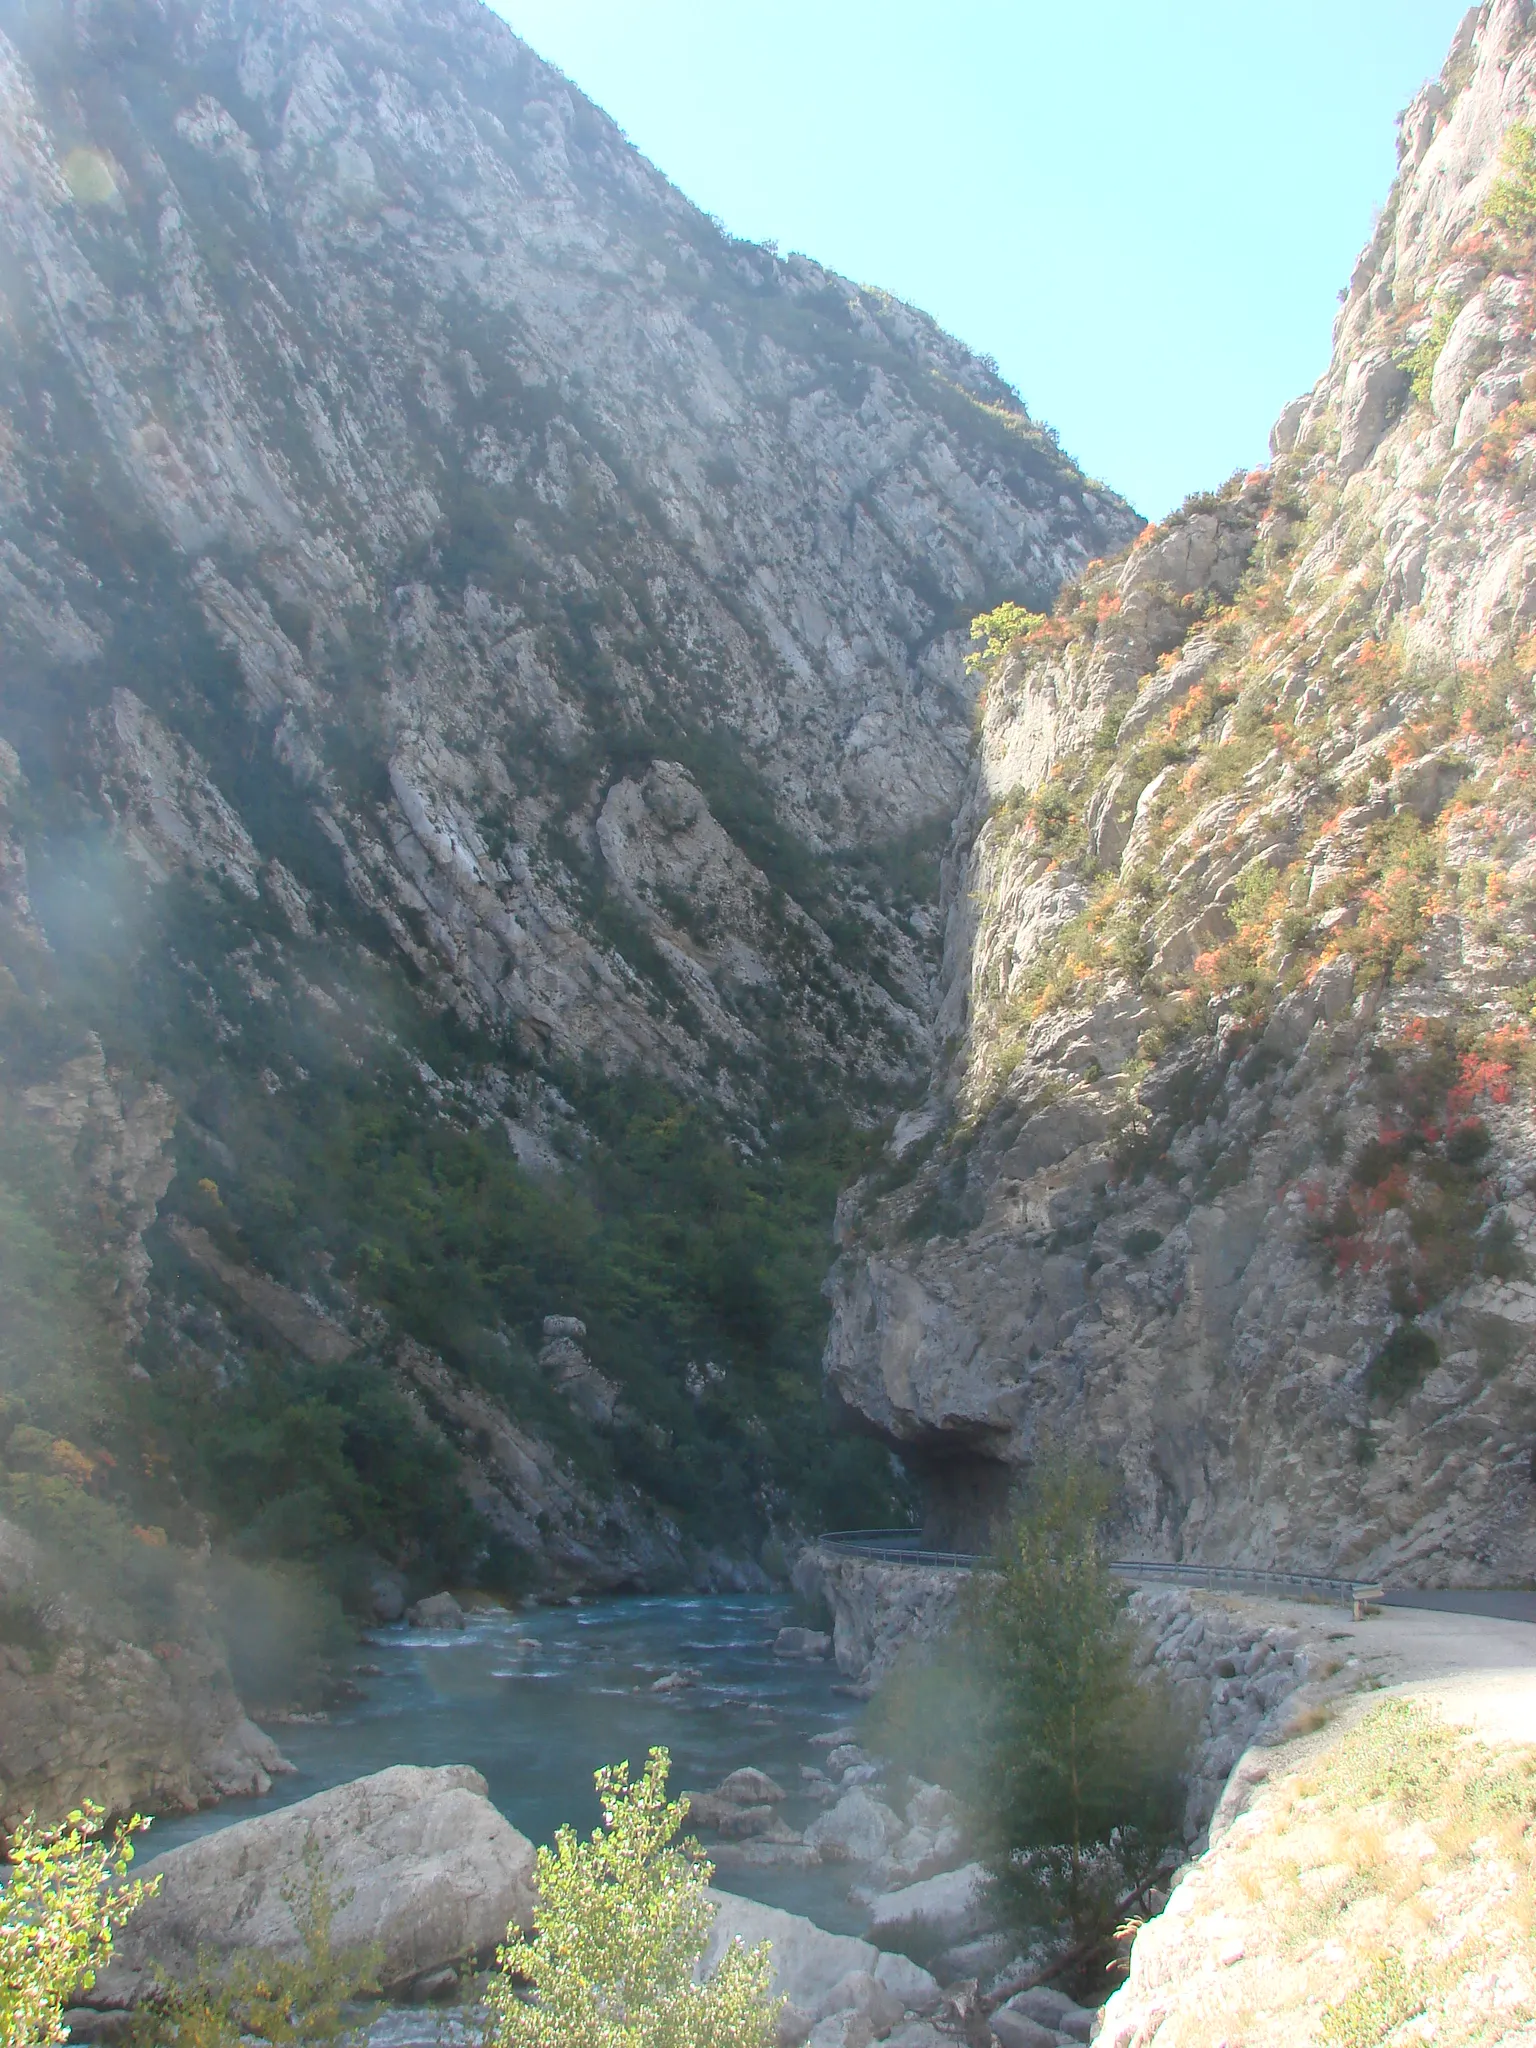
[1143, 208]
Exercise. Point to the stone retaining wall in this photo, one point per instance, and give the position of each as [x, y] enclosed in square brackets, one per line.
[1235, 1660]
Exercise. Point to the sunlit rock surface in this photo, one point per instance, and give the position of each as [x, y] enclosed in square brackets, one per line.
[1229, 1179]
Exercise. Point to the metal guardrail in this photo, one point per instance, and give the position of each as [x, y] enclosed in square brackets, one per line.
[897, 1546]
[904, 1546]
[1244, 1579]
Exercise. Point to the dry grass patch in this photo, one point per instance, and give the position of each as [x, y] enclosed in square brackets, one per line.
[1385, 1892]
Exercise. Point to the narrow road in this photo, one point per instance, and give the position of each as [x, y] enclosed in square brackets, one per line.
[903, 1546]
[1475, 1668]
[1496, 1605]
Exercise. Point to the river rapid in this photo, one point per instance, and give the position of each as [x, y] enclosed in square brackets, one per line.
[539, 1722]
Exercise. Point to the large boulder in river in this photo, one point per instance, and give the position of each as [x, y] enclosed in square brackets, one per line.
[937, 1912]
[415, 1861]
[858, 1829]
[438, 1610]
[819, 1973]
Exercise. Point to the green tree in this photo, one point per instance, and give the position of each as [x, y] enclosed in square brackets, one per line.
[64, 1902]
[1082, 1760]
[997, 630]
[621, 1923]
[1512, 198]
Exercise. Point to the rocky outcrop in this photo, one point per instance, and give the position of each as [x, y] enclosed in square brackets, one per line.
[156, 1730]
[1227, 1181]
[418, 1865]
[87, 1715]
[1330, 1901]
[599, 537]
[286, 1315]
[105, 1130]
[591, 1393]
[114, 1684]
[880, 1610]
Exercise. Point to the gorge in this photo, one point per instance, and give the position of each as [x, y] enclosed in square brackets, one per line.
[502, 838]
[483, 699]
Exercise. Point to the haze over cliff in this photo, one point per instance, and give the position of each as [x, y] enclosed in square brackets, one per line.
[482, 700]
[1228, 1174]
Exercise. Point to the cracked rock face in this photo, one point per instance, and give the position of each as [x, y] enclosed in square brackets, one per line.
[593, 583]
[430, 548]
[90, 1715]
[1229, 1180]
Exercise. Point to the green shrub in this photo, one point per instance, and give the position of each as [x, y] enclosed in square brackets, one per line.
[1420, 361]
[1512, 199]
[997, 630]
[1501, 1256]
[1407, 1357]
[62, 1904]
[621, 1923]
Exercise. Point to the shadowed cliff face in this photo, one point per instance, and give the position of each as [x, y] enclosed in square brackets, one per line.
[483, 700]
[1230, 1173]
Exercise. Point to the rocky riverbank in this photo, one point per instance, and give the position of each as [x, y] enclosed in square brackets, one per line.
[434, 1872]
[1237, 1664]
[153, 1726]
[424, 1872]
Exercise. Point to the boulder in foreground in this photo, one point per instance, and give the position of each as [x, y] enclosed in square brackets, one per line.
[417, 1861]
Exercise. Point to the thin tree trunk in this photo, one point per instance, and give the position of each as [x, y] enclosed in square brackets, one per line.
[1012, 1986]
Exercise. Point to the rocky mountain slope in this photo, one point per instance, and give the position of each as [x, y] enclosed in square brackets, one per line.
[483, 695]
[378, 417]
[1230, 1172]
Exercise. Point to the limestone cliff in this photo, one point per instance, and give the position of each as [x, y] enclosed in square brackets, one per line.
[381, 426]
[1228, 1173]
[483, 654]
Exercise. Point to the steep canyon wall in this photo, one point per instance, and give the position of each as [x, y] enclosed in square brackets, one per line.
[1227, 1175]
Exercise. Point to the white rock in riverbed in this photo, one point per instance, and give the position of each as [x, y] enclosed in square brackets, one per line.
[819, 1973]
[417, 1861]
[948, 1908]
[858, 1829]
[438, 1610]
[808, 1962]
[1017, 2030]
[750, 1787]
[1051, 2008]
[802, 1642]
